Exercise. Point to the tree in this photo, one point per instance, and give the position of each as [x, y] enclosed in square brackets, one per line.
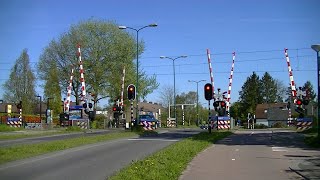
[21, 84]
[250, 94]
[236, 110]
[105, 51]
[189, 111]
[166, 95]
[308, 86]
[281, 90]
[268, 88]
[52, 89]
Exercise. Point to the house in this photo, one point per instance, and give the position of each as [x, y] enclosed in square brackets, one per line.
[270, 113]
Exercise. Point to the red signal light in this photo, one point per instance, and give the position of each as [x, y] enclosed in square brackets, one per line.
[114, 109]
[299, 102]
[223, 104]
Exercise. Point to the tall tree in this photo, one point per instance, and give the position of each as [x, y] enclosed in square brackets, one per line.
[52, 89]
[281, 90]
[250, 93]
[308, 86]
[106, 50]
[268, 88]
[166, 95]
[21, 84]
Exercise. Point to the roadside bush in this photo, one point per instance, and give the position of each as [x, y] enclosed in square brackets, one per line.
[278, 125]
[260, 126]
[98, 122]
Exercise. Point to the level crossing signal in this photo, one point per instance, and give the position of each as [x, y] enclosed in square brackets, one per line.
[131, 92]
[208, 91]
[299, 102]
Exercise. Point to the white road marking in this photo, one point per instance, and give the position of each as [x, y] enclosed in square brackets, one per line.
[279, 149]
[237, 149]
[233, 159]
[251, 133]
[150, 139]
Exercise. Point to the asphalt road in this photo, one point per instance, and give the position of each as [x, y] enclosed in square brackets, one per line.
[97, 161]
[40, 139]
[256, 155]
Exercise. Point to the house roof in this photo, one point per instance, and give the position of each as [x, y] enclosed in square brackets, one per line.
[262, 109]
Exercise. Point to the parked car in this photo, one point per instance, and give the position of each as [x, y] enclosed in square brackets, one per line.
[149, 118]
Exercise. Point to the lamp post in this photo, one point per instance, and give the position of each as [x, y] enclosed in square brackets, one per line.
[197, 99]
[137, 82]
[316, 47]
[174, 84]
[48, 102]
[40, 109]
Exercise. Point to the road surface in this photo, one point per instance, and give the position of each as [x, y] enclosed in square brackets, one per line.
[97, 161]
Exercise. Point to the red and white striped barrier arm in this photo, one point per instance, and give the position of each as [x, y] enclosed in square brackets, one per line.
[122, 86]
[230, 82]
[67, 103]
[83, 85]
[292, 84]
[211, 74]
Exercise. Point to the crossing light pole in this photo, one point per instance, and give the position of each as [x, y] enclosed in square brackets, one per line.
[316, 47]
[137, 82]
[197, 99]
[174, 84]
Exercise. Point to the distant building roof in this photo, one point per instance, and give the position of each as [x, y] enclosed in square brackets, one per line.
[262, 109]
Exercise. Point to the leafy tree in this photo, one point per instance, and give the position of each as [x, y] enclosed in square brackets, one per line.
[308, 86]
[52, 89]
[250, 94]
[268, 88]
[21, 84]
[236, 111]
[190, 112]
[105, 51]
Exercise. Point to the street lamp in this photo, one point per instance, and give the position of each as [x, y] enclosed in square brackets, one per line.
[137, 83]
[174, 84]
[197, 98]
[40, 108]
[316, 47]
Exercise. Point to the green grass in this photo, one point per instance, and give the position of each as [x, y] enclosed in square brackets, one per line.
[312, 141]
[8, 154]
[6, 128]
[312, 130]
[38, 133]
[167, 163]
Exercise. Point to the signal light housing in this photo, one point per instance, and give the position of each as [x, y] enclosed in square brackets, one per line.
[223, 104]
[131, 92]
[208, 91]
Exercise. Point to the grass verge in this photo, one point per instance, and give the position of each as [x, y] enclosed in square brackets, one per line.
[6, 128]
[8, 154]
[167, 163]
[37, 133]
[312, 141]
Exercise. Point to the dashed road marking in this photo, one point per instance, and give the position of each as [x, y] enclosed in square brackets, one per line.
[279, 149]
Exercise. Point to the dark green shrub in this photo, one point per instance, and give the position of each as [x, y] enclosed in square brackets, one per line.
[279, 125]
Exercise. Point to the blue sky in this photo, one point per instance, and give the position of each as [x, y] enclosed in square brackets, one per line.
[257, 31]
